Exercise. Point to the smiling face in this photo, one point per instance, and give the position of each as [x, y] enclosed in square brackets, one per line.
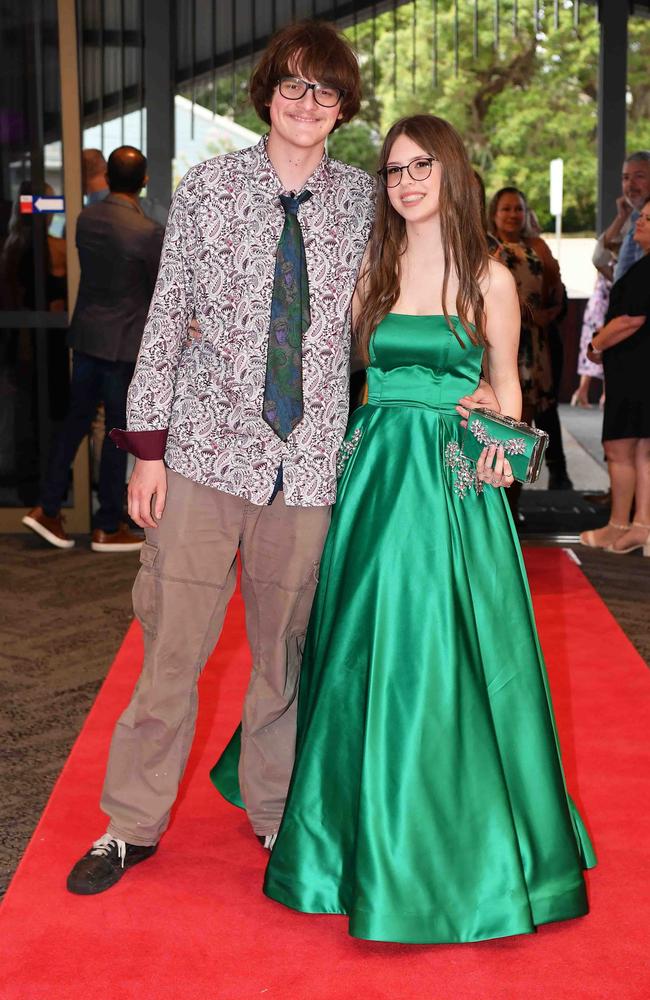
[510, 217]
[642, 228]
[635, 182]
[415, 201]
[302, 123]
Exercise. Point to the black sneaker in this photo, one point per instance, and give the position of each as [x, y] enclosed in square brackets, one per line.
[105, 864]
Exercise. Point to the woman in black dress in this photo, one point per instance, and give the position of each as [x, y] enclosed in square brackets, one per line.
[624, 345]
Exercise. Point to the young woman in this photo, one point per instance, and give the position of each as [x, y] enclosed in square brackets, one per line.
[427, 800]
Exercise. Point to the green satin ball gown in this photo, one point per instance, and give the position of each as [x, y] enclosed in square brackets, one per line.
[427, 801]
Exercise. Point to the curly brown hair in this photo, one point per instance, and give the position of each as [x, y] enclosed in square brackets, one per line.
[314, 49]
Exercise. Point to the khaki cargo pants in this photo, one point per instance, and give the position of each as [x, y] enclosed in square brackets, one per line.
[180, 596]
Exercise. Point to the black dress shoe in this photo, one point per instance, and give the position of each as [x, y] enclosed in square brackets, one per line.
[559, 481]
[105, 864]
[602, 499]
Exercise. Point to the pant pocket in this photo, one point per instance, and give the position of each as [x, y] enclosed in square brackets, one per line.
[145, 590]
[295, 645]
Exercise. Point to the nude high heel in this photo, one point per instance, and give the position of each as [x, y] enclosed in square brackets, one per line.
[645, 545]
[588, 537]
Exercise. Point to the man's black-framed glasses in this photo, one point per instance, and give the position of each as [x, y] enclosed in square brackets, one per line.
[293, 88]
[419, 168]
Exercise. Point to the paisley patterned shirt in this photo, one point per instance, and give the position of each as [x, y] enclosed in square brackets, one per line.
[217, 263]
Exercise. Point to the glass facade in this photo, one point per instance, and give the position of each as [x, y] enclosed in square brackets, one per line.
[33, 294]
[168, 76]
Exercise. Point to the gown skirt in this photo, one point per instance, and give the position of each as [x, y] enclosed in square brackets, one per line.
[428, 801]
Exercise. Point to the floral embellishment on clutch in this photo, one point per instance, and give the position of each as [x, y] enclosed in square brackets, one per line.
[464, 471]
[346, 450]
[511, 446]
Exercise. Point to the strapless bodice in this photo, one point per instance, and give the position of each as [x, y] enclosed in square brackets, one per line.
[418, 361]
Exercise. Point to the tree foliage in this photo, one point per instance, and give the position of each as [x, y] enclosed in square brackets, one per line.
[518, 104]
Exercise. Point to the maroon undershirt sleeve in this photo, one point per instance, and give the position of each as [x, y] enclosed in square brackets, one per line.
[149, 445]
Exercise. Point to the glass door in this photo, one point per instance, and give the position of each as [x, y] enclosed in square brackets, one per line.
[37, 263]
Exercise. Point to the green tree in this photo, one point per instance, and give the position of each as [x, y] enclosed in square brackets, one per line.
[517, 104]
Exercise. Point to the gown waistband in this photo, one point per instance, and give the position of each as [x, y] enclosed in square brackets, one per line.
[413, 386]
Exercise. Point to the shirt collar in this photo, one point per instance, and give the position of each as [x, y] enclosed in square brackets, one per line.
[264, 175]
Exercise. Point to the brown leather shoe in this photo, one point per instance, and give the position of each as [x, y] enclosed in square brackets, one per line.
[49, 528]
[122, 540]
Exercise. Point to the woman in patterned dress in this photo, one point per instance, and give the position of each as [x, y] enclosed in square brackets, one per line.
[540, 290]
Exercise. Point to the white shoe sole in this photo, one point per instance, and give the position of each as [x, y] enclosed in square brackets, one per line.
[59, 543]
[116, 546]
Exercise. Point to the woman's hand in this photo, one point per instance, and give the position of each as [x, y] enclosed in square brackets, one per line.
[626, 325]
[484, 396]
[596, 357]
[494, 468]
[618, 329]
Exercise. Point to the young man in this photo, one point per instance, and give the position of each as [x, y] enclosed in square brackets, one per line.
[249, 448]
[263, 247]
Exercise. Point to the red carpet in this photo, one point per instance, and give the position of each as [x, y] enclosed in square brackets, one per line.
[192, 924]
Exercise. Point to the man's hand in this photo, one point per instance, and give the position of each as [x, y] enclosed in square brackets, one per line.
[623, 208]
[483, 396]
[612, 235]
[149, 481]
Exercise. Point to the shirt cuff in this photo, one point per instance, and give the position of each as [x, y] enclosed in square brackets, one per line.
[148, 445]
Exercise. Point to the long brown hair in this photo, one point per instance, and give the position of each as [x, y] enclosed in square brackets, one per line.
[463, 237]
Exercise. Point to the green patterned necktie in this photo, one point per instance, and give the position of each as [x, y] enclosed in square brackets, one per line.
[290, 317]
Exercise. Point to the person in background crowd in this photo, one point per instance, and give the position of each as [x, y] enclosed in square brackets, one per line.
[635, 188]
[93, 176]
[593, 317]
[17, 262]
[623, 344]
[541, 295]
[119, 250]
[619, 236]
[608, 255]
[22, 288]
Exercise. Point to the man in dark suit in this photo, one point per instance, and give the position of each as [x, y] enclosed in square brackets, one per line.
[119, 250]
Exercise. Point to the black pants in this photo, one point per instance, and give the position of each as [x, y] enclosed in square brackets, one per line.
[549, 421]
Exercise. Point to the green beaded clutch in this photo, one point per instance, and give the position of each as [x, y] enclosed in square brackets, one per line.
[524, 446]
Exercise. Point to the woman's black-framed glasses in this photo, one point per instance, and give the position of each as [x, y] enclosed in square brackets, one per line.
[293, 88]
[419, 168]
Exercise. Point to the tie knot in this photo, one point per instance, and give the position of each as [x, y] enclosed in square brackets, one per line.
[291, 204]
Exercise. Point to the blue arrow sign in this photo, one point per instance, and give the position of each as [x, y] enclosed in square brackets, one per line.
[51, 203]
